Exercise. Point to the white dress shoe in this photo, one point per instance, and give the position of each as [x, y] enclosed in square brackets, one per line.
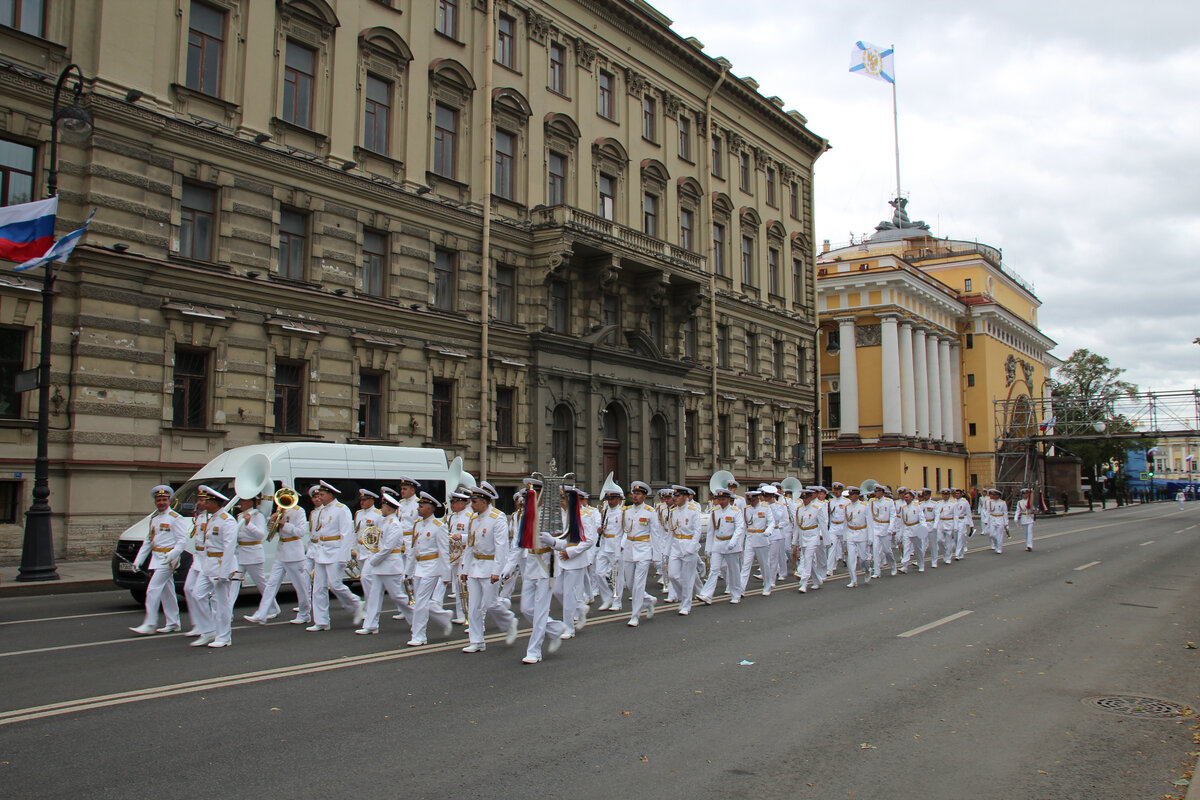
[567, 635]
[633, 623]
[317, 628]
[414, 642]
[204, 640]
[530, 660]
[397, 616]
[510, 635]
[169, 629]
[144, 630]
[683, 612]
[474, 648]
[300, 621]
[553, 645]
[735, 601]
[708, 601]
[366, 631]
[192, 632]
[447, 627]
[220, 644]
[766, 593]
[254, 619]
[459, 621]
[803, 590]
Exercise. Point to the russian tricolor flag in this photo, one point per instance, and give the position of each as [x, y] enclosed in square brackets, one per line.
[27, 229]
[527, 533]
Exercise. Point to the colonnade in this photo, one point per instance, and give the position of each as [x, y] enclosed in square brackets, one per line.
[920, 380]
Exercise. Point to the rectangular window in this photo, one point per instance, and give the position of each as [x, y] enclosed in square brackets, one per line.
[772, 271]
[794, 199]
[797, 281]
[377, 116]
[447, 18]
[778, 353]
[691, 434]
[16, 173]
[650, 214]
[374, 262]
[689, 337]
[971, 379]
[289, 396]
[370, 405]
[649, 107]
[970, 341]
[780, 437]
[504, 415]
[685, 137]
[605, 108]
[10, 493]
[752, 439]
[293, 244]
[966, 284]
[752, 353]
[12, 361]
[802, 364]
[607, 205]
[506, 148]
[445, 135]
[723, 441]
[206, 40]
[610, 315]
[556, 172]
[24, 15]
[771, 200]
[558, 72]
[800, 448]
[443, 280]
[686, 223]
[716, 156]
[560, 306]
[299, 80]
[718, 249]
[505, 29]
[723, 346]
[744, 171]
[834, 402]
[197, 222]
[747, 261]
[924, 476]
[441, 429]
[506, 294]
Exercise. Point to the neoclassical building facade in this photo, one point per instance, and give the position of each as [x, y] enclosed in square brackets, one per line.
[513, 230]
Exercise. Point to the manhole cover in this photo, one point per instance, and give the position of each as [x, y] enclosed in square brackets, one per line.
[1131, 705]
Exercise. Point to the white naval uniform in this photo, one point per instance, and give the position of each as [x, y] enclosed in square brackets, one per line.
[289, 560]
[812, 522]
[221, 569]
[363, 518]
[387, 571]
[963, 522]
[333, 534]
[197, 588]
[1023, 516]
[857, 541]
[252, 531]
[570, 571]
[164, 544]
[639, 524]
[760, 523]
[836, 540]
[684, 553]
[929, 518]
[485, 556]
[781, 537]
[429, 565]
[879, 514]
[997, 520]
[458, 522]
[726, 540]
[943, 539]
[590, 581]
[912, 520]
[534, 565]
[608, 556]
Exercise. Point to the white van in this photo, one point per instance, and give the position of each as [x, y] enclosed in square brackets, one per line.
[296, 465]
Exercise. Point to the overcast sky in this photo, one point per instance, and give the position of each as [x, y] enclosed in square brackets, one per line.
[1066, 133]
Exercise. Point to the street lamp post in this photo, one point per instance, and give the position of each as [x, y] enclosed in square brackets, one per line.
[37, 552]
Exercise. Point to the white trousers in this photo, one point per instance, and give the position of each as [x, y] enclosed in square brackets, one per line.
[328, 578]
[882, 553]
[161, 591]
[995, 532]
[568, 587]
[483, 599]
[835, 550]
[535, 607]
[681, 571]
[914, 548]
[960, 540]
[300, 582]
[366, 574]
[456, 587]
[256, 574]
[942, 543]
[811, 567]
[779, 557]
[428, 604]
[857, 555]
[634, 574]
[394, 586]
[731, 565]
[199, 592]
[224, 593]
[606, 562]
[1028, 526]
[761, 553]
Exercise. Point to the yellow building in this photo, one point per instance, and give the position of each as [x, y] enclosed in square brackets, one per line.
[919, 337]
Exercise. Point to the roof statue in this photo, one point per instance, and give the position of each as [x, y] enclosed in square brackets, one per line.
[900, 218]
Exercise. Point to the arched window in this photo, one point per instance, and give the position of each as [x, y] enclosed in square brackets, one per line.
[658, 449]
[562, 444]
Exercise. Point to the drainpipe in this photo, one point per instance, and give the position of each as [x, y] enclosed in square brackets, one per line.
[485, 263]
[706, 148]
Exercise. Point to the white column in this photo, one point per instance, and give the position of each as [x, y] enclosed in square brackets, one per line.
[935, 387]
[947, 390]
[921, 383]
[956, 390]
[908, 411]
[889, 373]
[848, 376]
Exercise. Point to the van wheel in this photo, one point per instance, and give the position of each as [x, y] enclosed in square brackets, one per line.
[139, 596]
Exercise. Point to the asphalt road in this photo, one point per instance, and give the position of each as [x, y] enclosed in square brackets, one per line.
[988, 704]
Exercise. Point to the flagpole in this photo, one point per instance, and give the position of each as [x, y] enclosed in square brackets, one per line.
[896, 128]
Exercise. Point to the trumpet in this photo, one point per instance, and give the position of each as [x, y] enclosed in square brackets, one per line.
[285, 500]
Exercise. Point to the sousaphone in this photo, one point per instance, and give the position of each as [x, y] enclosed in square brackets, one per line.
[720, 480]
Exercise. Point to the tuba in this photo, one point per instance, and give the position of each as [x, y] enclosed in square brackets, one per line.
[285, 500]
[792, 485]
[868, 486]
[720, 480]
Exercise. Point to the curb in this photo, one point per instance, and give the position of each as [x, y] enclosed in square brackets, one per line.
[35, 588]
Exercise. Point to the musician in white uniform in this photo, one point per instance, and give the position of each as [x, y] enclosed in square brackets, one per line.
[997, 519]
[535, 564]
[291, 526]
[220, 566]
[457, 522]
[387, 566]
[252, 532]
[639, 524]
[726, 540]
[964, 522]
[760, 522]
[880, 510]
[333, 535]
[812, 522]
[1023, 516]
[608, 557]
[942, 538]
[572, 566]
[164, 545]
[429, 565]
[366, 517]
[836, 541]
[685, 547]
[857, 538]
[483, 561]
[196, 588]
[911, 520]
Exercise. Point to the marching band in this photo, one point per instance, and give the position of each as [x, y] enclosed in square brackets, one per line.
[402, 548]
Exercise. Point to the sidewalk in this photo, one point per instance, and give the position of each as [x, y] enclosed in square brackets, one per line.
[94, 575]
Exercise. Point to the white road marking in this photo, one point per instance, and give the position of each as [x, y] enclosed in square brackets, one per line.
[1143, 544]
[932, 625]
[1086, 566]
[73, 616]
[124, 640]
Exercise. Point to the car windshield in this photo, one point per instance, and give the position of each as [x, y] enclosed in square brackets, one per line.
[184, 500]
